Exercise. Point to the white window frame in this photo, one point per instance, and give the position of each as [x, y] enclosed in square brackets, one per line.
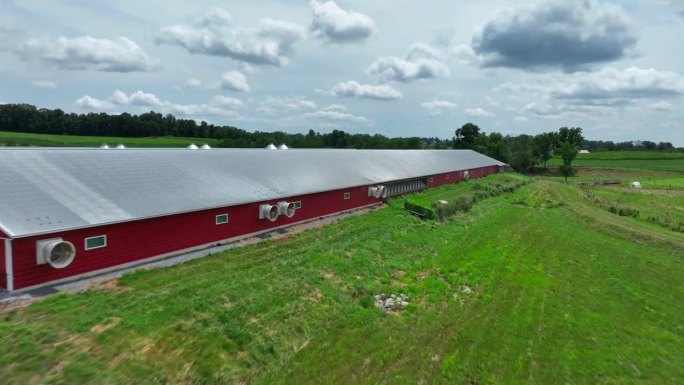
[347, 196]
[85, 242]
[297, 204]
[222, 215]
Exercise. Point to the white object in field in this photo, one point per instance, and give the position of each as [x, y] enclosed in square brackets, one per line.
[635, 184]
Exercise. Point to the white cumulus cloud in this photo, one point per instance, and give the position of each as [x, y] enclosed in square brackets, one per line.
[89, 103]
[270, 43]
[336, 25]
[89, 53]
[336, 113]
[479, 112]
[436, 107]
[421, 62]
[630, 83]
[350, 89]
[219, 106]
[235, 81]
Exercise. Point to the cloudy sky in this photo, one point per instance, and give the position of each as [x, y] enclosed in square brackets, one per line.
[396, 67]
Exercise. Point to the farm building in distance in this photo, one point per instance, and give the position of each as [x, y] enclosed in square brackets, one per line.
[68, 213]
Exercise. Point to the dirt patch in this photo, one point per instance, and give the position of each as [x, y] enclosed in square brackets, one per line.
[315, 295]
[15, 303]
[99, 328]
[399, 274]
[109, 284]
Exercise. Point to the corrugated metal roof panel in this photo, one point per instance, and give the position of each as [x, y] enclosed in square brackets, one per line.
[53, 189]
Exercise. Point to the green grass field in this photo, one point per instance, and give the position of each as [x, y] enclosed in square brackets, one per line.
[538, 286]
[636, 155]
[43, 140]
[641, 160]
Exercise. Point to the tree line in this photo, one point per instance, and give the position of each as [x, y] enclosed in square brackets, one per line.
[522, 152]
[28, 118]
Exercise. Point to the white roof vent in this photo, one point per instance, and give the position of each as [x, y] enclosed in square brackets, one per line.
[192, 146]
[283, 147]
[271, 147]
[205, 147]
[104, 146]
[120, 146]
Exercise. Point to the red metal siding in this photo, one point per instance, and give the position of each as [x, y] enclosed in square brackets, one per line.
[3, 272]
[131, 241]
[457, 176]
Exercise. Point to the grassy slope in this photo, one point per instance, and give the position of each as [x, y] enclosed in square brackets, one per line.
[643, 160]
[43, 140]
[554, 301]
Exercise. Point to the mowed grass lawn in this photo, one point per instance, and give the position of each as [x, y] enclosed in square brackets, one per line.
[44, 140]
[556, 298]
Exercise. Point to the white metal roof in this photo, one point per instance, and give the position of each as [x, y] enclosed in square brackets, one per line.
[45, 190]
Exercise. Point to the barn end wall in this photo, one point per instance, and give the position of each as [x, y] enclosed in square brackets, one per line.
[137, 240]
[132, 241]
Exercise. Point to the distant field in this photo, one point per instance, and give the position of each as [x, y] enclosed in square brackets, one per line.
[643, 160]
[634, 155]
[538, 286]
[43, 140]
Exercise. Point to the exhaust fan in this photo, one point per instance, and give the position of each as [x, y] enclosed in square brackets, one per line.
[286, 208]
[375, 192]
[55, 252]
[269, 212]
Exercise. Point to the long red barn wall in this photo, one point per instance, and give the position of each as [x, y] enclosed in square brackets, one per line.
[136, 240]
[3, 272]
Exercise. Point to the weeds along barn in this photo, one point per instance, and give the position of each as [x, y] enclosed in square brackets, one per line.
[72, 212]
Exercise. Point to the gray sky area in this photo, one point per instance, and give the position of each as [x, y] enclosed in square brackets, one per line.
[396, 67]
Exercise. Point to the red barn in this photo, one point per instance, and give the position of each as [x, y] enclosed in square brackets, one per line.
[66, 213]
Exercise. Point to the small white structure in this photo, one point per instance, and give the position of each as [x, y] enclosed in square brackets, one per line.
[283, 147]
[635, 184]
[120, 146]
[104, 146]
[205, 147]
[271, 146]
[584, 151]
[192, 146]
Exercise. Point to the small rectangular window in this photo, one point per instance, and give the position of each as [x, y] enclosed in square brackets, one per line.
[432, 180]
[447, 176]
[221, 219]
[347, 195]
[95, 242]
[298, 204]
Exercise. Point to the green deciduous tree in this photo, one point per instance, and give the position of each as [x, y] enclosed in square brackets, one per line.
[543, 146]
[568, 141]
[466, 136]
[521, 153]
